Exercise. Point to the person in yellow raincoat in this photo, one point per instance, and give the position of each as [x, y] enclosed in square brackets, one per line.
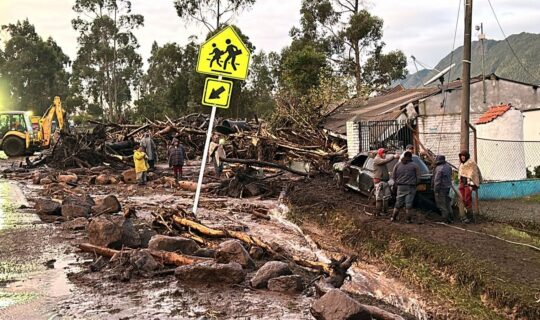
[141, 164]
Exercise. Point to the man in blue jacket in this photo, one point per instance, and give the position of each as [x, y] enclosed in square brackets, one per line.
[406, 176]
[442, 183]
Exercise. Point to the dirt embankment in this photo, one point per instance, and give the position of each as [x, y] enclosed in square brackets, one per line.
[465, 275]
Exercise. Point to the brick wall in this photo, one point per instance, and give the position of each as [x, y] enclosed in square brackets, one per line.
[441, 134]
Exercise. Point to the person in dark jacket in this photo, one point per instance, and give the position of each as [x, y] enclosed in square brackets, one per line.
[177, 155]
[406, 176]
[442, 183]
[380, 181]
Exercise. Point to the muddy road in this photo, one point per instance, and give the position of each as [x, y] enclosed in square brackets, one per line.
[45, 276]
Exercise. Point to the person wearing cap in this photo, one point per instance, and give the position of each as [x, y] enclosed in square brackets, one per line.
[469, 179]
[442, 183]
[409, 148]
[406, 175]
[380, 181]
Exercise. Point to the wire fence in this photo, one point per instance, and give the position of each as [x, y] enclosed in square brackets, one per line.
[508, 160]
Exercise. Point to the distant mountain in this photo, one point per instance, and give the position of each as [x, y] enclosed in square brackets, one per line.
[498, 59]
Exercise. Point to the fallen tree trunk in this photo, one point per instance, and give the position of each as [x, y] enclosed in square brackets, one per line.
[381, 314]
[263, 164]
[242, 236]
[164, 256]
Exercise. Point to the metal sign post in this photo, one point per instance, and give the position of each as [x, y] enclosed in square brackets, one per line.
[222, 55]
[204, 158]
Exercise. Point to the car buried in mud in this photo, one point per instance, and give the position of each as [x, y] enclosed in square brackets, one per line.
[357, 175]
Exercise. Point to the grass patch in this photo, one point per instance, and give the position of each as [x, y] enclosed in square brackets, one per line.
[469, 286]
[533, 199]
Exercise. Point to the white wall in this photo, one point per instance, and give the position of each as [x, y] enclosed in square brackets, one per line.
[353, 139]
[531, 132]
[504, 159]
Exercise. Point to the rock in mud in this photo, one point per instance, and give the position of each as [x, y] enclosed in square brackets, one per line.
[102, 179]
[68, 178]
[75, 207]
[292, 283]
[211, 272]
[48, 207]
[146, 233]
[337, 305]
[130, 236]
[36, 178]
[205, 252]
[269, 270]
[46, 180]
[143, 261]
[109, 204]
[256, 252]
[234, 251]
[104, 232]
[113, 232]
[76, 224]
[72, 211]
[129, 176]
[173, 244]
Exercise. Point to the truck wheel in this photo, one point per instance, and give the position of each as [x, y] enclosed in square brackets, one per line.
[13, 146]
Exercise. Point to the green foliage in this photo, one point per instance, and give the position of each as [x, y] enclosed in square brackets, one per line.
[206, 11]
[107, 67]
[381, 69]
[302, 68]
[32, 70]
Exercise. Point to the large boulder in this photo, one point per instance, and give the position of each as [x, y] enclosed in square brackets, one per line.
[109, 204]
[114, 232]
[234, 251]
[293, 283]
[48, 207]
[269, 270]
[337, 305]
[77, 206]
[173, 244]
[211, 272]
[129, 176]
[104, 232]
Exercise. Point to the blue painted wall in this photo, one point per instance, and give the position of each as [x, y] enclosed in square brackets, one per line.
[509, 189]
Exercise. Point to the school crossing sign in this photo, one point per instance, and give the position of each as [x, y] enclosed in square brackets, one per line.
[224, 55]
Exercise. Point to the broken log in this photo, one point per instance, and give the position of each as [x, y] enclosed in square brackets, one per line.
[251, 240]
[263, 164]
[164, 257]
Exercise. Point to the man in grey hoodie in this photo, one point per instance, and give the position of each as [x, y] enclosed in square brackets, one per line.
[442, 182]
[406, 176]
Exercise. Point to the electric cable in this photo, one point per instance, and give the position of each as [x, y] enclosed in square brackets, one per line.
[510, 46]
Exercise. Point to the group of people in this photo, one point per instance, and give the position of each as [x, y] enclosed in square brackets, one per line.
[145, 157]
[406, 176]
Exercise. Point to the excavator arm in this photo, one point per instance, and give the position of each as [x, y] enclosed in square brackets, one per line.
[46, 121]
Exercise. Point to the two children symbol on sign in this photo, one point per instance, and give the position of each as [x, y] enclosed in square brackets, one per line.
[231, 50]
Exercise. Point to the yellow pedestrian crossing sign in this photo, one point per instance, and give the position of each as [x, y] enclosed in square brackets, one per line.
[224, 55]
[217, 93]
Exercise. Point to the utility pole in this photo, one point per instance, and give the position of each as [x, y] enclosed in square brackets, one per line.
[482, 37]
[466, 77]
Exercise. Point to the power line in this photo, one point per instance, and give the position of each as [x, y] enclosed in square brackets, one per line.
[510, 46]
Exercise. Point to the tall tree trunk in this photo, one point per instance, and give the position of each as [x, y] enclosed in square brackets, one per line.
[357, 70]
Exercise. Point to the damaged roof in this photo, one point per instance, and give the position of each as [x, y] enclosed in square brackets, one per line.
[384, 107]
[389, 105]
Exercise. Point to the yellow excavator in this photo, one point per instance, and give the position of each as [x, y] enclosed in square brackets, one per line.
[20, 135]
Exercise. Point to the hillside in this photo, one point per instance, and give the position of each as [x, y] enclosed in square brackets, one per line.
[498, 59]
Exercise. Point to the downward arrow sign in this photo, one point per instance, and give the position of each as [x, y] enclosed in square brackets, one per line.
[216, 93]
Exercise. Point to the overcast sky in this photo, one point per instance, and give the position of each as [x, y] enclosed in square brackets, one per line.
[421, 28]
